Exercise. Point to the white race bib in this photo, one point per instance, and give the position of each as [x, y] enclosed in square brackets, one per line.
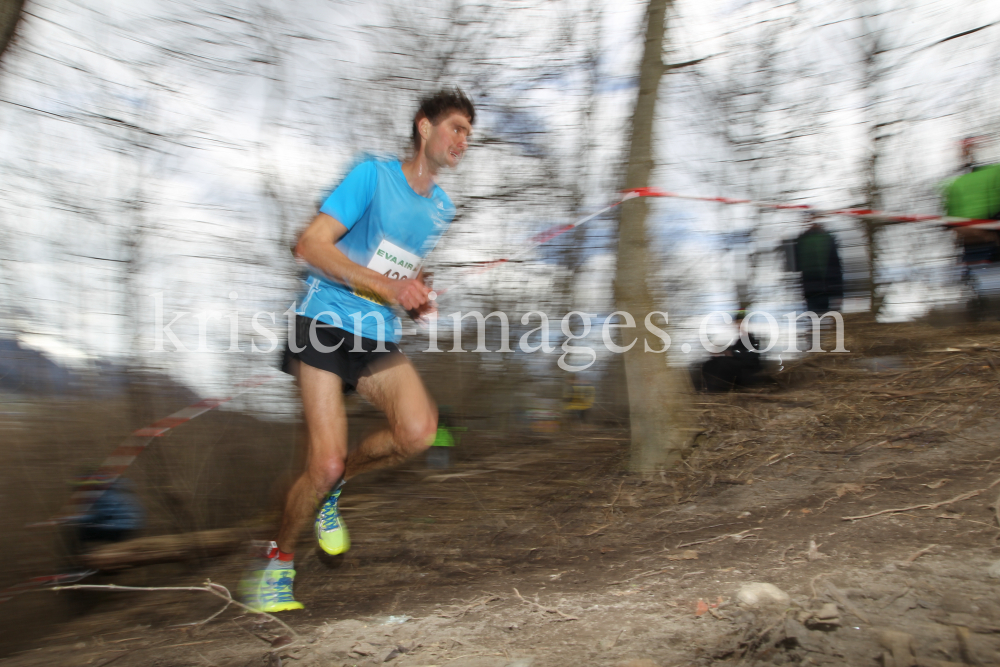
[393, 262]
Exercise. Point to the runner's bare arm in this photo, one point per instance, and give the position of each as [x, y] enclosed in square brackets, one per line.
[316, 246]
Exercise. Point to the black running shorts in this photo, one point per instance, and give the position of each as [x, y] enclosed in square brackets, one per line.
[343, 361]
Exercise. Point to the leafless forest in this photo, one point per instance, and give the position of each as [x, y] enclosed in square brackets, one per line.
[159, 160]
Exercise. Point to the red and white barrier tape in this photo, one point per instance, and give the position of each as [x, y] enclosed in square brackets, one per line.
[531, 244]
[44, 582]
[122, 457]
[109, 471]
[866, 214]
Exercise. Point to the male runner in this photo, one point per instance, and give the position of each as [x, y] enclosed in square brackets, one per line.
[364, 248]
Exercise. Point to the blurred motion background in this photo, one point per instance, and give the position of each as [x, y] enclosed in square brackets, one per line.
[160, 158]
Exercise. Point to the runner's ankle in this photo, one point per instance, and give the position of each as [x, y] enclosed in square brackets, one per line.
[273, 558]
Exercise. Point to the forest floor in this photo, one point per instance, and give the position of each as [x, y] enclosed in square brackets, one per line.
[864, 489]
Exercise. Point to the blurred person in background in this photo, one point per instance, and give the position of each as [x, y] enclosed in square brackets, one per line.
[818, 259]
[975, 193]
[969, 148]
[739, 365]
[580, 395]
[447, 437]
[117, 515]
[364, 248]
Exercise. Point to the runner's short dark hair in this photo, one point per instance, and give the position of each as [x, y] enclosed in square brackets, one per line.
[436, 107]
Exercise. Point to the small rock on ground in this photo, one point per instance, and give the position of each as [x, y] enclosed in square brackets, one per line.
[758, 594]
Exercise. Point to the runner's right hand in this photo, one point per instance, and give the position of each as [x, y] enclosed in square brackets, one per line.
[410, 294]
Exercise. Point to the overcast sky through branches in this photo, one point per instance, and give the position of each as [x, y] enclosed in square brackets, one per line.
[177, 148]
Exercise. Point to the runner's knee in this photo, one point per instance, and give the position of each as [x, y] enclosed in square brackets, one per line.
[417, 433]
[326, 471]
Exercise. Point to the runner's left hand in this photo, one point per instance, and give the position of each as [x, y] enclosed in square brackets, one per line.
[420, 313]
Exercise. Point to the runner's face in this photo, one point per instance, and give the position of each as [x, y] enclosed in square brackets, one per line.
[448, 140]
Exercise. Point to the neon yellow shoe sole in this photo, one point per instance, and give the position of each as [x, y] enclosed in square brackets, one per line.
[269, 591]
[331, 533]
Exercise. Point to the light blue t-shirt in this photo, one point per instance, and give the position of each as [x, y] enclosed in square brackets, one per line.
[390, 229]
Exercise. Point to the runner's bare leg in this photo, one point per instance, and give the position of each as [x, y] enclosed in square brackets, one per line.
[326, 449]
[399, 392]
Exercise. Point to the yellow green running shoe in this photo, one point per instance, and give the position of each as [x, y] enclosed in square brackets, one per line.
[269, 591]
[330, 529]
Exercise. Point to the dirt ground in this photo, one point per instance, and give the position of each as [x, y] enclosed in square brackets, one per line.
[864, 488]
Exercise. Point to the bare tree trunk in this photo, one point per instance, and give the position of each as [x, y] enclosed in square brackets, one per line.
[659, 395]
[874, 47]
[871, 243]
[10, 13]
[873, 200]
